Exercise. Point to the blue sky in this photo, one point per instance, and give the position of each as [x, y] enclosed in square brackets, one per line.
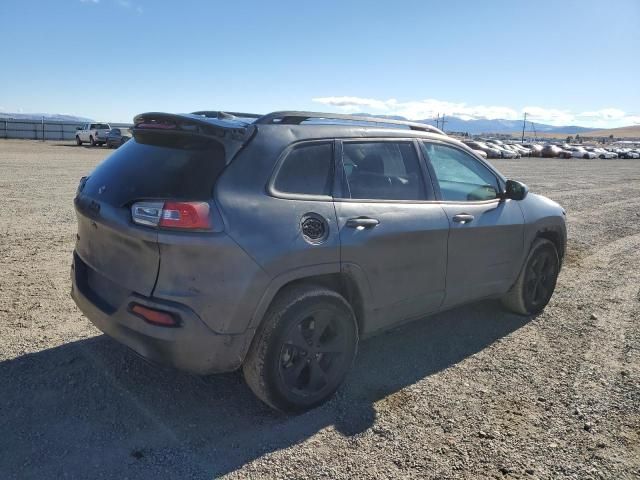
[564, 62]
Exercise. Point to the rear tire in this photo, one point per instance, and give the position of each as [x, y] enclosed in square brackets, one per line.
[537, 280]
[303, 349]
[78, 141]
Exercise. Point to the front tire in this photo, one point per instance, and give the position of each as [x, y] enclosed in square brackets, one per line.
[303, 350]
[537, 280]
[78, 141]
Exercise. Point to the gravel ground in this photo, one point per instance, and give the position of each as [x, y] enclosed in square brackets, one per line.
[474, 392]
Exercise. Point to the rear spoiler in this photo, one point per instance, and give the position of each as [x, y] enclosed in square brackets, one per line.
[232, 133]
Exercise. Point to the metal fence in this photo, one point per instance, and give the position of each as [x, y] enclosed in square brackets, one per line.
[42, 130]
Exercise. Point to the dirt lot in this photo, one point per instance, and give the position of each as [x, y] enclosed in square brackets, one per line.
[474, 392]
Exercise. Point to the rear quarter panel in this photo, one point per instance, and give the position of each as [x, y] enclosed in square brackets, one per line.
[268, 228]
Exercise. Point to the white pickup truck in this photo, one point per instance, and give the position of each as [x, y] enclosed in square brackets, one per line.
[92, 133]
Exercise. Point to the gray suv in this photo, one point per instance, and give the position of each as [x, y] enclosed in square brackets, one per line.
[214, 241]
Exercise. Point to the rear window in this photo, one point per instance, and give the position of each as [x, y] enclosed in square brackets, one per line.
[101, 126]
[151, 168]
[306, 170]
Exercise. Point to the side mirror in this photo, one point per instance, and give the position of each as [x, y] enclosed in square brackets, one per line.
[515, 190]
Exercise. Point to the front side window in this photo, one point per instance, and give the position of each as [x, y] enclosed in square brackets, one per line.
[306, 170]
[381, 171]
[460, 176]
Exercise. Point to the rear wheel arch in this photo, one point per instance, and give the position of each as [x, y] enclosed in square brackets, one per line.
[264, 367]
[341, 283]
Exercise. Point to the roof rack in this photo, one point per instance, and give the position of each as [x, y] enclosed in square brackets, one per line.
[297, 117]
[220, 115]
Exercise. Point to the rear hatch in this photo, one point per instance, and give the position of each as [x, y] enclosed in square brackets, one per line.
[170, 158]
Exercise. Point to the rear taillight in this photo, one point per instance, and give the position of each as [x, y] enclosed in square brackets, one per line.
[178, 215]
[156, 317]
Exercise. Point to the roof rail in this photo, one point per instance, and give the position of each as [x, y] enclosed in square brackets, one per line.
[225, 115]
[296, 118]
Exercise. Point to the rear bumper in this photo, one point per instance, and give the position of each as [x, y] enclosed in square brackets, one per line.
[192, 347]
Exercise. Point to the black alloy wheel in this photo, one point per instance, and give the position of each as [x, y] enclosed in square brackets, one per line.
[540, 279]
[312, 352]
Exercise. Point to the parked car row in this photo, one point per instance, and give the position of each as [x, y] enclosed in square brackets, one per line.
[98, 134]
[625, 152]
[493, 148]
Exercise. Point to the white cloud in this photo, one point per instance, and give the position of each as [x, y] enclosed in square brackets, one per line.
[553, 116]
[429, 108]
[418, 109]
[130, 5]
[90, 1]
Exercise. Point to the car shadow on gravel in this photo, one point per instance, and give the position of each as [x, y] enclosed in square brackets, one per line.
[92, 409]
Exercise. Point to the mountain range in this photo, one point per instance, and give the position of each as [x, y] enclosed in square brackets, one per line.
[452, 124]
[60, 117]
[485, 125]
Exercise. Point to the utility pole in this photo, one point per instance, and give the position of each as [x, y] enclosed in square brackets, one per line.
[524, 123]
[443, 122]
[437, 120]
[535, 134]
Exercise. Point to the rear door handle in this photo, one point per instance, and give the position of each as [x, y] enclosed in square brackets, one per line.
[365, 222]
[463, 218]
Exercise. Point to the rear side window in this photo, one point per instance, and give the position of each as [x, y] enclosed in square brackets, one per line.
[382, 171]
[306, 170]
[176, 168]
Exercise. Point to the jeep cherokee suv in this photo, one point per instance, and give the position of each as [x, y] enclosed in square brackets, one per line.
[214, 241]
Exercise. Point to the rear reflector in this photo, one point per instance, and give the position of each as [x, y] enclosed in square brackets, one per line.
[179, 215]
[156, 317]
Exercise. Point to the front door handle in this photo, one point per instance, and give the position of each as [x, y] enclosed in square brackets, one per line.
[463, 218]
[364, 222]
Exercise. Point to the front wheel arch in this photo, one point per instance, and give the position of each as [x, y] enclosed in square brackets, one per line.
[515, 299]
